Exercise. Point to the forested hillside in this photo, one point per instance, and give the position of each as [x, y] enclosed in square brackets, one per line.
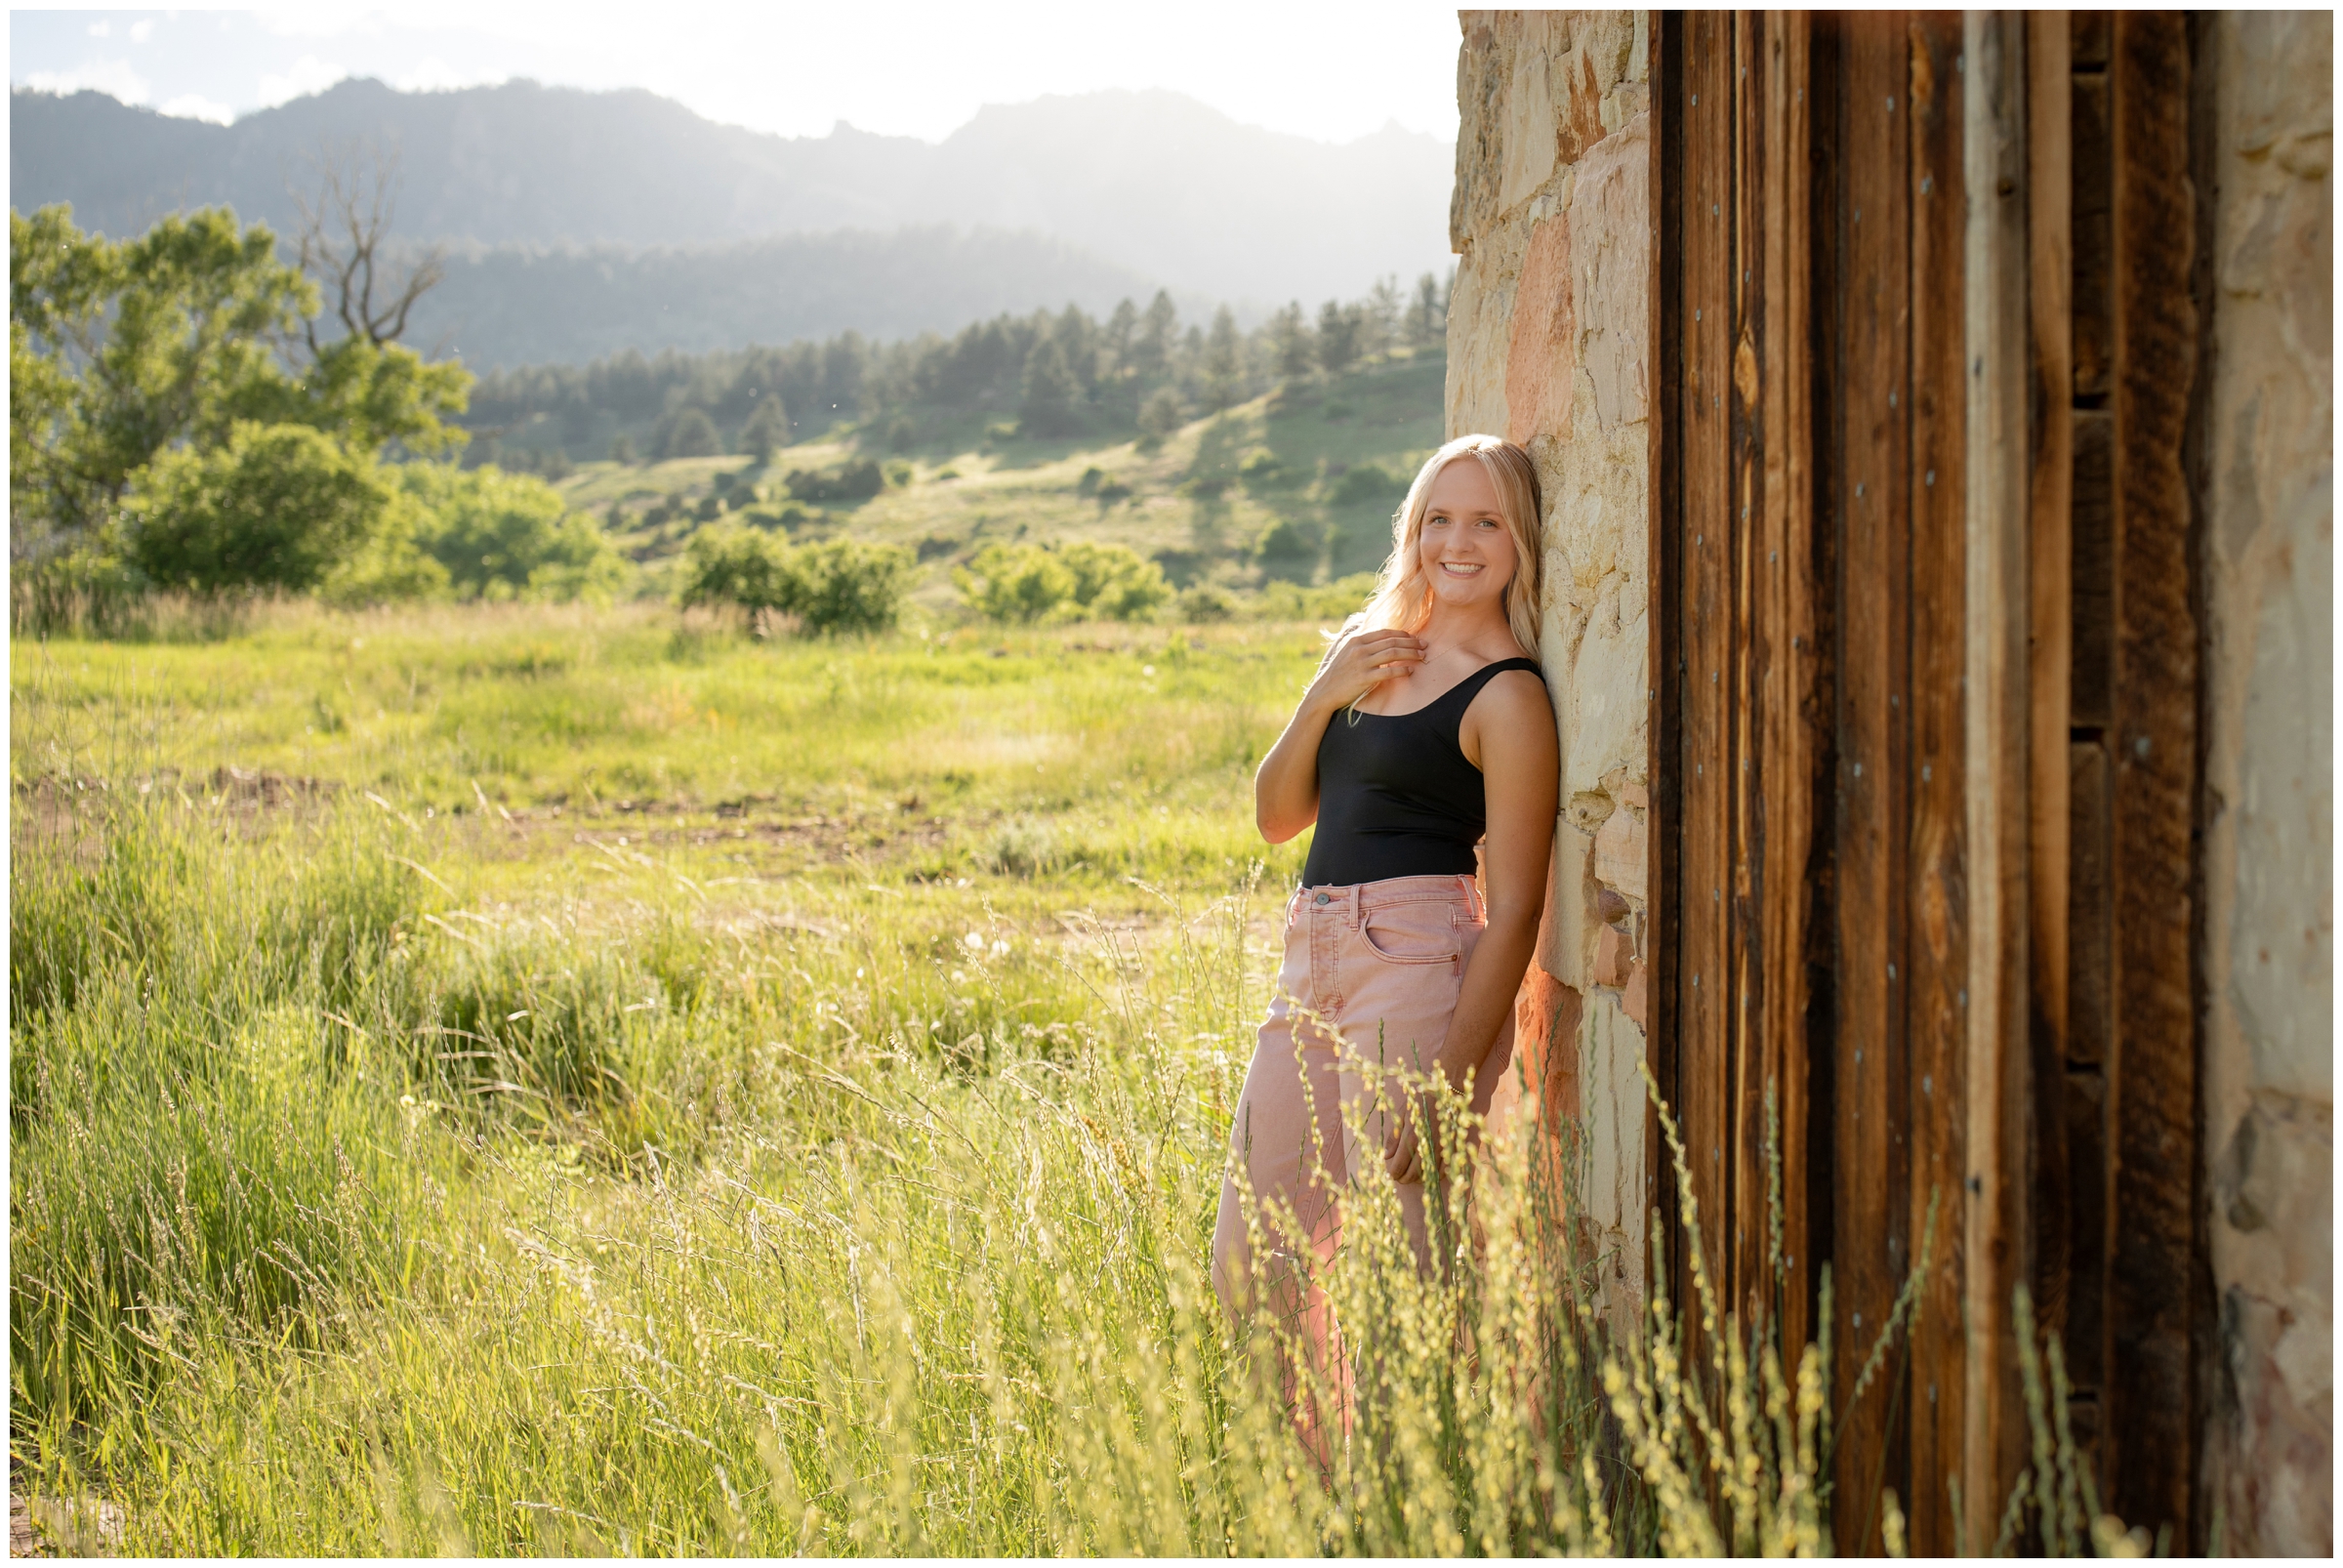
[1127, 372]
[510, 305]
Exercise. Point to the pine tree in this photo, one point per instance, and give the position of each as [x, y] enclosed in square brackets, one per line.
[1224, 361]
[1159, 331]
[1050, 392]
[1290, 339]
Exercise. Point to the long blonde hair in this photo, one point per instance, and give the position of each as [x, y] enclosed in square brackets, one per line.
[1403, 595]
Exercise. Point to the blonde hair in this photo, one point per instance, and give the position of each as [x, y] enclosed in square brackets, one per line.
[1403, 595]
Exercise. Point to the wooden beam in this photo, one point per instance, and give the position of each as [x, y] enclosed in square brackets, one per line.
[2157, 1175]
[2050, 268]
[1934, 982]
[1997, 771]
[1869, 500]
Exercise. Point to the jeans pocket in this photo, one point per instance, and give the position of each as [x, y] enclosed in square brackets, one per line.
[1412, 933]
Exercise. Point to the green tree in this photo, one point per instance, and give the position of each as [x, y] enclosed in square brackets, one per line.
[1159, 331]
[501, 536]
[842, 584]
[767, 429]
[1051, 394]
[1120, 333]
[1380, 316]
[622, 450]
[120, 350]
[690, 432]
[1161, 415]
[1295, 348]
[1340, 330]
[729, 565]
[1224, 361]
[1016, 583]
[272, 507]
[1112, 581]
[1427, 317]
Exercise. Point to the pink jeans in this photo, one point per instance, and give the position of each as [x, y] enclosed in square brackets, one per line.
[1381, 963]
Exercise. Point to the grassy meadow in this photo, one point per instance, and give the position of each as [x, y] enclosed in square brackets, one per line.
[522, 1079]
[541, 1080]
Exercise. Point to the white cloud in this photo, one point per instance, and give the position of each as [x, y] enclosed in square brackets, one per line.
[196, 106]
[142, 31]
[110, 76]
[101, 29]
[306, 75]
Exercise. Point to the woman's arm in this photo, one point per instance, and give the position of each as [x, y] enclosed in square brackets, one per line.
[1520, 765]
[1285, 791]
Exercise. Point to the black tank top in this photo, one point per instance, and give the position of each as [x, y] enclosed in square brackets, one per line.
[1396, 797]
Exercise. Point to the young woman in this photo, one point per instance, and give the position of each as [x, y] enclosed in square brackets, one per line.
[1425, 729]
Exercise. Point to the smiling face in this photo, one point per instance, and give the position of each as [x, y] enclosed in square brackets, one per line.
[1466, 550]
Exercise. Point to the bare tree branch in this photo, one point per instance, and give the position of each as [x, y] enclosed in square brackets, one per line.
[345, 228]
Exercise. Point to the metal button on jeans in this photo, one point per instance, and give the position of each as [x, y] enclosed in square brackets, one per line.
[1322, 897]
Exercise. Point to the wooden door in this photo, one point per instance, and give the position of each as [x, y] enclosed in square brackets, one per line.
[1920, 600]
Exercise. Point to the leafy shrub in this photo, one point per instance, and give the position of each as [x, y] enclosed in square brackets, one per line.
[1019, 583]
[849, 585]
[1161, 416]
[691, 434]
[1114, 583]
[1328, 602]
[1368, 482]
[1206, 602]
[1291, 546]
[1264, 470]
[501, 535]
[1029, 583]
[276, 507]
[842, 584]
[858, 479]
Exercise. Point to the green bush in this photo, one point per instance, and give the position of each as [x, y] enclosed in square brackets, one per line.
[842, 584]
[276, 507]
[1368, 482]
[1016, 583]
[858, 480]
[691, 434]
[1029, 583]
[501, 535]
[849, 585]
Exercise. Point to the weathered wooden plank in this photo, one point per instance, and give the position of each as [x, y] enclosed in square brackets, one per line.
[2090, 906]
[2091, 534]
[1793, 735]
[1869, 501]
[1998, 1096]
[1704, 1033]
[1936, 980]
[2049, 200]
[2153, 1419]
[1666, 490]
[2091, 163]
[1742, 1268]
[2087, 36]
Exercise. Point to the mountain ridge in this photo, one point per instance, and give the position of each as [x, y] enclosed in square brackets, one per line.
[1151, 182]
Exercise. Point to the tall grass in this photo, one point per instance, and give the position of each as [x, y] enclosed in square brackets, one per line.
[366, 1199]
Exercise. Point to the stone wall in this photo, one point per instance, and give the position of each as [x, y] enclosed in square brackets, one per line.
[1547, 345]
[2268, 558]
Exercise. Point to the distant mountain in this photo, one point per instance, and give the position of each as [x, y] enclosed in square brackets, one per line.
[513, 306]
[1153, 182]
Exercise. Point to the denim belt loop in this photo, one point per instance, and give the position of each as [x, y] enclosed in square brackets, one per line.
[1356, 912]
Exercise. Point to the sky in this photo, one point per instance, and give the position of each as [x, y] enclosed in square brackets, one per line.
[1330, 73]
